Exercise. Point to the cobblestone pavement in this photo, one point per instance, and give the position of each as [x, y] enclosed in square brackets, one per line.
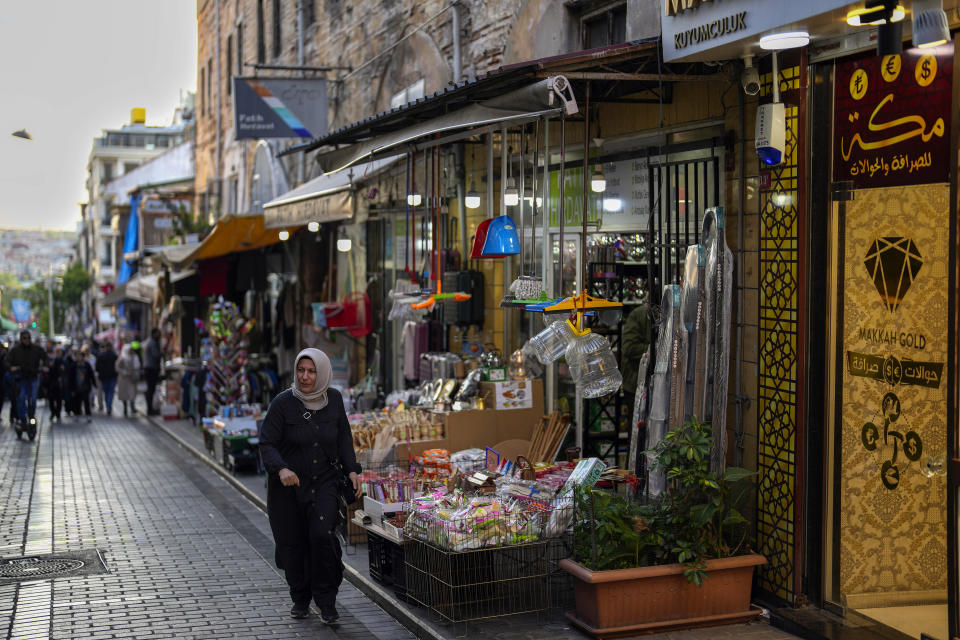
[187, 556]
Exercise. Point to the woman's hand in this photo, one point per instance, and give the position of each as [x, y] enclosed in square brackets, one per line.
[356, 484]
[288, 478]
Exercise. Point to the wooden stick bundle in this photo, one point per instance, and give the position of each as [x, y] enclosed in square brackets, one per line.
[547, 437]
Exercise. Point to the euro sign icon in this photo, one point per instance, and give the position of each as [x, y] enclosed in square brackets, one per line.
[925, 70]
[891, 65]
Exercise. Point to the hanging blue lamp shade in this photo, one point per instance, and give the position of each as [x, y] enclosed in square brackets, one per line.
[502, 239]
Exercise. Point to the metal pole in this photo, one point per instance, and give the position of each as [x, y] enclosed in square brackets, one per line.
[302, 168]
[50, 299]
[455, 27]
[546, 266]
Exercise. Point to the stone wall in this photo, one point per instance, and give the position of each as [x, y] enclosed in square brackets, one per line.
[388, 45]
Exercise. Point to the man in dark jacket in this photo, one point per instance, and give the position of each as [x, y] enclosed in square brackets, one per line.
[107, 374]
[56, 381]
[25, 361]
[80, 381]
[634, 343]
[152, 358]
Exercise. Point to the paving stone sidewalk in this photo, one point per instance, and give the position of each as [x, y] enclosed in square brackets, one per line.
[187, 556]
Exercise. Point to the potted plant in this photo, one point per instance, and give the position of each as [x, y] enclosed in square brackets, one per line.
[680, 561]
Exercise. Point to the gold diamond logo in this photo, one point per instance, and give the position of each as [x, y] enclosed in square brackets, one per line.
[893, 263]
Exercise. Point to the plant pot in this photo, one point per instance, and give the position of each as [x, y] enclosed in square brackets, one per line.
[651, 599]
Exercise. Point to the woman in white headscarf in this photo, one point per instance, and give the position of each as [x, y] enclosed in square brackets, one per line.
[128, 370]
[306, 445]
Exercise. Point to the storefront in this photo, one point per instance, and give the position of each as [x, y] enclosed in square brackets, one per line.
[856, 280]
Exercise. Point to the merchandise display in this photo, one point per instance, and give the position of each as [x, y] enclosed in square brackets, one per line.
[226, 383]
[518, 511]
[692, 355]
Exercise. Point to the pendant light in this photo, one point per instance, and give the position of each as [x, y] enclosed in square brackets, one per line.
[930, 27]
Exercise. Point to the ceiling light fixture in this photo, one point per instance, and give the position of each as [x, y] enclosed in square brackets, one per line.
[598, 182]
[868, 16]
[284, 235]
[344, 245]
[930, 27]
[313, 226]
[414, 199]
[511, 197]
[785, 40]
[472, 200]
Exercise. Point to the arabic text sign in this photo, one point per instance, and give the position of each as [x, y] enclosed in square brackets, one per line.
[279, 107]
[894, 296]
[892, 118]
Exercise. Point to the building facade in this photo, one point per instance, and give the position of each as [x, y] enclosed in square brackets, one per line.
[114, 154]
[381, 55]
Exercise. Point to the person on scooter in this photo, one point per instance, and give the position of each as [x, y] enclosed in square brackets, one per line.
[25, 361]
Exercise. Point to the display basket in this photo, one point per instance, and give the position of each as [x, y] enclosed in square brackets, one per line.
[460, 586]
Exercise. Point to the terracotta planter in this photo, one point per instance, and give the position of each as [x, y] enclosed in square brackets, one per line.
[651, 599]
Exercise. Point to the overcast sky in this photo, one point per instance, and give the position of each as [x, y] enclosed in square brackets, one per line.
[71, 68]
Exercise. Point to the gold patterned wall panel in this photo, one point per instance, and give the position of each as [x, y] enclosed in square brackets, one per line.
[779, 366]
[894, 393]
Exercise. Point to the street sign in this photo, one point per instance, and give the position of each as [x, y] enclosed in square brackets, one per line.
[21, 310]
[279, 107]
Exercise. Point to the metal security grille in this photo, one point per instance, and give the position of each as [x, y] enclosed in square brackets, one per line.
[779, 360]
[680, 194]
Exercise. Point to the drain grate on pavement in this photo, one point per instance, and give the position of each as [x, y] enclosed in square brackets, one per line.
[51, 565]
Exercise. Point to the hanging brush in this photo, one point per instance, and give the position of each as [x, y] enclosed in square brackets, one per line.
[530, 287]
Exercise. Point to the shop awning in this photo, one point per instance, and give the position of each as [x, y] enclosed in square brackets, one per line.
[178, 254]
[234, 233]
[327, 198]
[628, 69]
[547, 97]
[8, 325]
[139, 288]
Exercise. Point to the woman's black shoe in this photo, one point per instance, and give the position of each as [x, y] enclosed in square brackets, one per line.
[329, 616]
[300, 611]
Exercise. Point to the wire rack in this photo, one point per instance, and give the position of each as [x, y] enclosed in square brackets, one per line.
[460, 586]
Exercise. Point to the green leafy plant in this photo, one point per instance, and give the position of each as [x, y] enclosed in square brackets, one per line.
[696, 519]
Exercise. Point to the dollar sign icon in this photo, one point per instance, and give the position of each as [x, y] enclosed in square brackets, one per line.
[926, 69]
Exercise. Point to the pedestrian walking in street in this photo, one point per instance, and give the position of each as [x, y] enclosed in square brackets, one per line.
[107, 375]
[152, 358]
[10, 392]
[56, 380]
[25, 361]
[90, 351]
[128, 372]
[80, 381]
[307, 448]
[4, 387]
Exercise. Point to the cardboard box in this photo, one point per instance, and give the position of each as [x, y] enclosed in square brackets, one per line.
[376, 509]
[509, 395]
[467, 429]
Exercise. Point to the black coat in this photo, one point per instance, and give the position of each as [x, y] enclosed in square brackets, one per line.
[82, 381]
[288, 440]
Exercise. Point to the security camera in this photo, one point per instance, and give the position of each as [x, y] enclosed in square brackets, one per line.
[750, 77]
[771, 133]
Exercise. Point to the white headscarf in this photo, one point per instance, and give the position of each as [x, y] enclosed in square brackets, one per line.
[317, 398]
